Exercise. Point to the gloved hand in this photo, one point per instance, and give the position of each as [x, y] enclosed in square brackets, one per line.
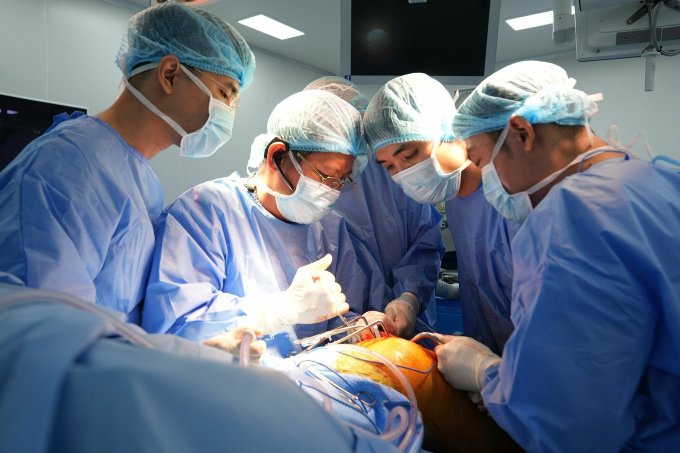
[463, 361]
[312, 297]
[400, 315]
[373, 316]
[230, 341]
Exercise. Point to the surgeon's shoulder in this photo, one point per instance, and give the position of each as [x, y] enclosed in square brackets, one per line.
[74, 147]
[222, 193]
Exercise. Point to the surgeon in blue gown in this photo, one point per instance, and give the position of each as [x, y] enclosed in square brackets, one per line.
[74, 378]
[408, 128]
[402, 235]
[239, 251]
[594, 361]
[79, 204]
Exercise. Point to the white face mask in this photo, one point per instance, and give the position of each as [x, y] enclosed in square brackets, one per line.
[310, 202]
[427, 183]
[208, 139]
[518, 206]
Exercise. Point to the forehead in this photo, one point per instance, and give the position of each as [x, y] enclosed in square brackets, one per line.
[330, 160]
[391, 151]
[223, 80]
[480, 143]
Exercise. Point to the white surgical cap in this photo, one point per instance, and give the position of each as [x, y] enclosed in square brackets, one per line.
[413, 107]
[342, 88]
[197, 38]
[537, 91]
[312, 121]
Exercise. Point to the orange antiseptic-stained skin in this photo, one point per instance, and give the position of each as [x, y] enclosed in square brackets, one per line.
[452, 422]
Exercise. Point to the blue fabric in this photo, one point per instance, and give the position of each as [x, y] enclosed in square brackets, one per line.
[411, 107]
[216, 244]
[371, 418]
[594, 362]
[403, 238]
[77, 213]
[317, 120]
[540, 92]
[482, 238]
[69, 383]
[212, 45]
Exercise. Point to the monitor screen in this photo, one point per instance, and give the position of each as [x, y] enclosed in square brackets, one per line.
[22, 120]
[454, 42]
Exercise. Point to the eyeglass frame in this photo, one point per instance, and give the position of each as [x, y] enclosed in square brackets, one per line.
[340, 182]
[277, 162]
[233, 102]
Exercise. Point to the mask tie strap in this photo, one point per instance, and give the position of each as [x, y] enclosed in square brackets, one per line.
[141, 98]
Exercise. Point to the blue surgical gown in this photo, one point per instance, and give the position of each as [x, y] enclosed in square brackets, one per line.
[217, 244]
[77, 213]
[402, 236]
[482, 238]
[594, 362]
[69, 382]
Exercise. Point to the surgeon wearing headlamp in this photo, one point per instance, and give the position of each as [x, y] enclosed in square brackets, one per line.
[266, 251]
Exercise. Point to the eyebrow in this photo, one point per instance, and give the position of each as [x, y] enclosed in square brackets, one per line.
[396, 152]
[335, 170]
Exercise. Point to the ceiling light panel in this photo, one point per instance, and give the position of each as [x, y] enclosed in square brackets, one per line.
[271, 27]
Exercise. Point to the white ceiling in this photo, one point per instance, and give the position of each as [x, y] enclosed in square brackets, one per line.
[319, 48]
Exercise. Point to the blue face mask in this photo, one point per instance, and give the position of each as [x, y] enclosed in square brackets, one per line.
[427, 183]
[518, 206]
[208, 139]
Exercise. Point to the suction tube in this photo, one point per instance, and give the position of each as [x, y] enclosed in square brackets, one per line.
[403, 427]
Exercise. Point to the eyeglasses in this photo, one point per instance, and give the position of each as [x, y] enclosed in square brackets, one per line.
[232, 95]
[330, 181]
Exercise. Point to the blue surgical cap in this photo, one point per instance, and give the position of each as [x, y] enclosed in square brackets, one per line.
[413, 107]
[537, 91]
[196, 37]
[313, 121]
[342, 88]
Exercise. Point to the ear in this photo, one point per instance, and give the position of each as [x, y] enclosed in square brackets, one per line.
[274, 151]
[168, 69]
[523, 131]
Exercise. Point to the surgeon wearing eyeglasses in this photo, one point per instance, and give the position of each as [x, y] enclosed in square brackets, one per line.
[265, 251]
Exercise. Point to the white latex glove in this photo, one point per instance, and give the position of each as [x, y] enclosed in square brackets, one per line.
[230, 341]
[312, 297]
[463, 361]
[401, 315]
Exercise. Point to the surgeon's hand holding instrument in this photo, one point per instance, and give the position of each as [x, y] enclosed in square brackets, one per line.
[312, 297]
[400, 315]
[463, 362]
[240, 340]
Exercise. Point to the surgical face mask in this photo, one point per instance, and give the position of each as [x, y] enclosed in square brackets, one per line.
[518, 206]
[310, 202]
[208, 139]
[427, 183]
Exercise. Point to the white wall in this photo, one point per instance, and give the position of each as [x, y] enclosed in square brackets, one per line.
[64, 51]
[627, 105]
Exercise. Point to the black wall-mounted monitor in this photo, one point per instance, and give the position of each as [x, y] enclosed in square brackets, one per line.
[22, 120]
[453, 41]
